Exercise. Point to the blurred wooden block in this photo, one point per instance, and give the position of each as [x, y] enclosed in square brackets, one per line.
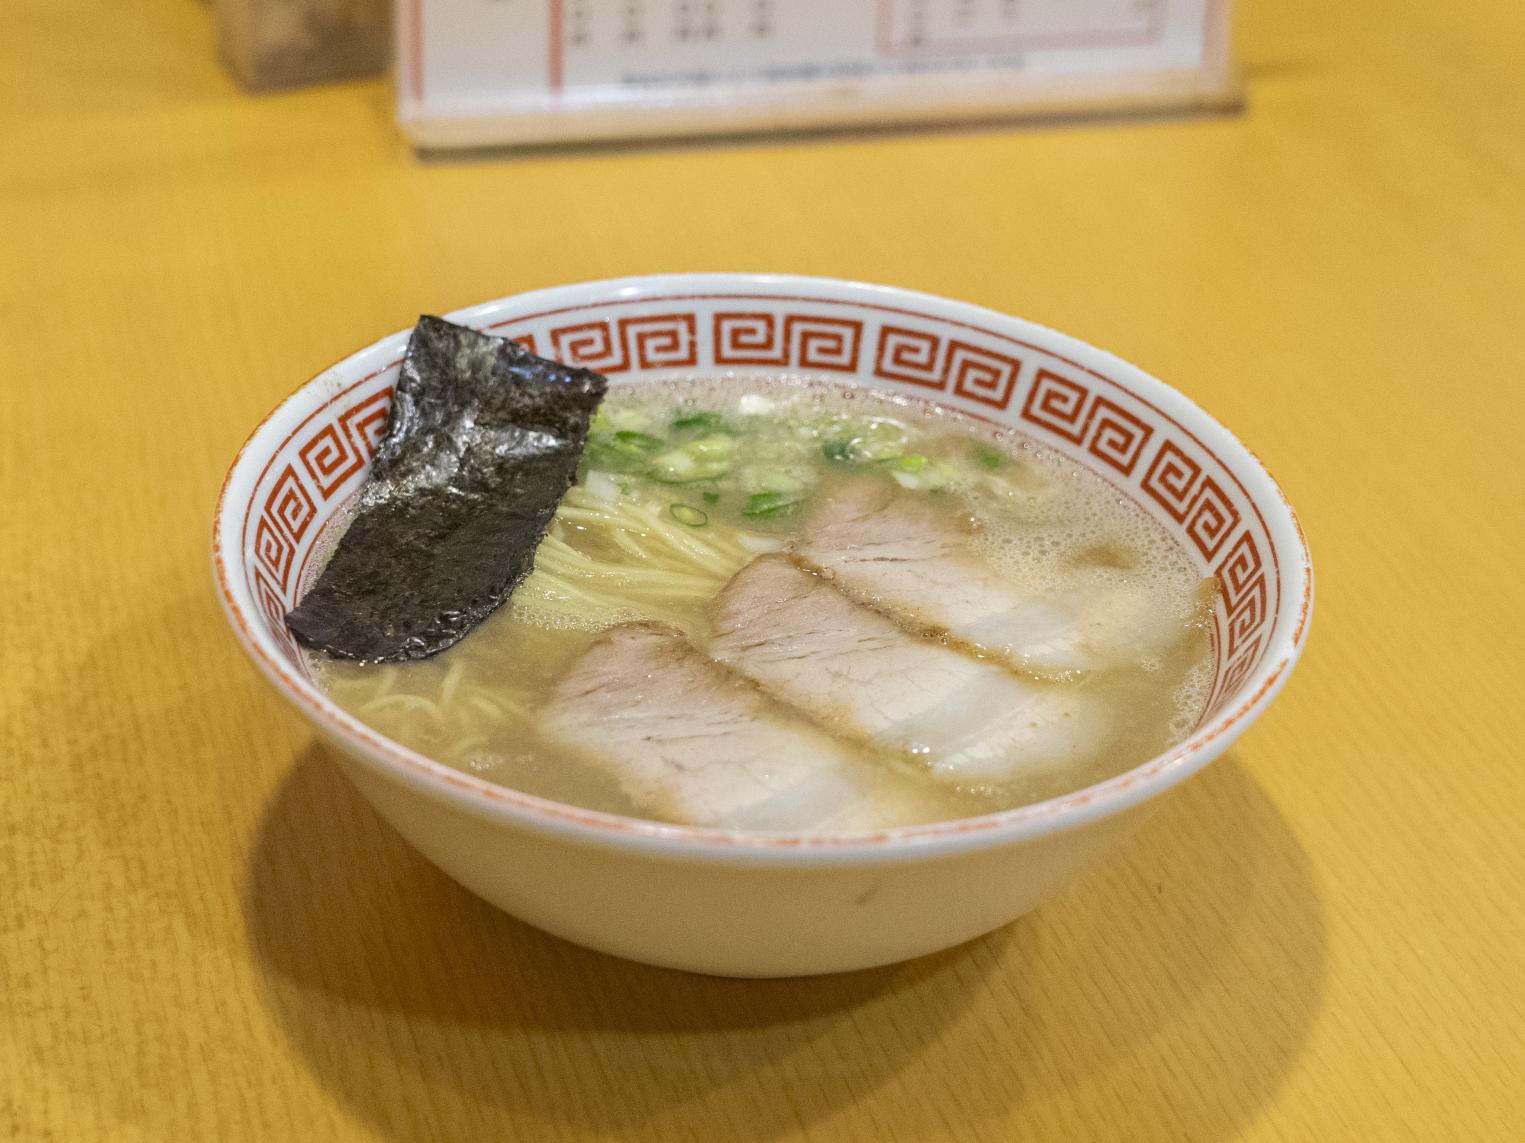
[286, 43]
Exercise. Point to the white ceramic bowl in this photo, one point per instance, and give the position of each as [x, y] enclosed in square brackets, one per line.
[765, 905]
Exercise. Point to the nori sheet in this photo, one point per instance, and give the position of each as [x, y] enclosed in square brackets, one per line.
[482, 443]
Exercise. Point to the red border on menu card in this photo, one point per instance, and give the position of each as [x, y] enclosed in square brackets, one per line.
[416, 50]
[556, 48]
[1215, 32]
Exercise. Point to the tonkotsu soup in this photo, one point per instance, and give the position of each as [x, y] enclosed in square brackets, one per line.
[790, 605]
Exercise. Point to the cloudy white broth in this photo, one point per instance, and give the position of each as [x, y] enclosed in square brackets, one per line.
[791, 605]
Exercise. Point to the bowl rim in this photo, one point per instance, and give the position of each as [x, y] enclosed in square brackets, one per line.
[491, 801]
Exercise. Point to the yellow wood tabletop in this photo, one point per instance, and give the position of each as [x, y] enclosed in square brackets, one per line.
[206, 934]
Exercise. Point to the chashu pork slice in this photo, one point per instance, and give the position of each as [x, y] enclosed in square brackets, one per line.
[970, 720]
[917, 563]
[693, 743]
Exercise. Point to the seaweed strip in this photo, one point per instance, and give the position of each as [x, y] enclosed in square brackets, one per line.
[483, 441]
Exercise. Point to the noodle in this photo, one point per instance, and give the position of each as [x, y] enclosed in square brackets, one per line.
[643, 561]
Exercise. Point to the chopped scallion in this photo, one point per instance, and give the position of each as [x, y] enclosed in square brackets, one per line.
[703, 459]
[704, 421]
[766, 505]
[986, 457]
[871, 442]
[637, 441]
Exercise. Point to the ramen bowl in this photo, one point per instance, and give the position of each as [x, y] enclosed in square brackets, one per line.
[764, 904]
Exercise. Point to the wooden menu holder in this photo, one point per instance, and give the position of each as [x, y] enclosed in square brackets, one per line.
[269, 44]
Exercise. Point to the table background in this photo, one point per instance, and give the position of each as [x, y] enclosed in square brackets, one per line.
[205, 934]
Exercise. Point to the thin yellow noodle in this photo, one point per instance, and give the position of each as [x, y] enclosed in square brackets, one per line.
[590, 515]
[649, 523]
[579, 602]
[599, 511]
[570, 589]
[660, 581]
[551, 561]
[621, 537]
[673, 585]
[623, 575]
[451, 682]
[407, 702]
[489, 708]
[545, 575]
[627, 576]
[683, 542]
[662, 615]
[678, 556]
[579, 494]
[655, 598]
[651, 519]
[616, 605]
[564, 556]
[494, 695]
[617, 590]
[558, 544]
[561, 553]
[665, 569]
[554, 546]
[387, 679]
[560, 565]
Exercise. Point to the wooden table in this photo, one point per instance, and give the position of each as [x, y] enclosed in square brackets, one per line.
[205, 934]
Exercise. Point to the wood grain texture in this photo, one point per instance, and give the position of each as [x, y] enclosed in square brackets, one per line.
[205, 934]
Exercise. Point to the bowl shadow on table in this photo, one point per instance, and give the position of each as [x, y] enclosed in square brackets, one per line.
[1194, 961]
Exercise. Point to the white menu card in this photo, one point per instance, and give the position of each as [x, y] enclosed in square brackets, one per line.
[491, 72]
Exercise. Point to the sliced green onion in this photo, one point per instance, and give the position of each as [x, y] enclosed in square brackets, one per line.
[688, 514]
[872, 441]
[703, 421]
[920, 474]
[603, 455]
[675, 467]
[713, 447]
[986, 457]
[625, 450]
[838, 451]
[637, 441]
[703, 459]
[879, 439]
[766, 505]
[711, 497]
